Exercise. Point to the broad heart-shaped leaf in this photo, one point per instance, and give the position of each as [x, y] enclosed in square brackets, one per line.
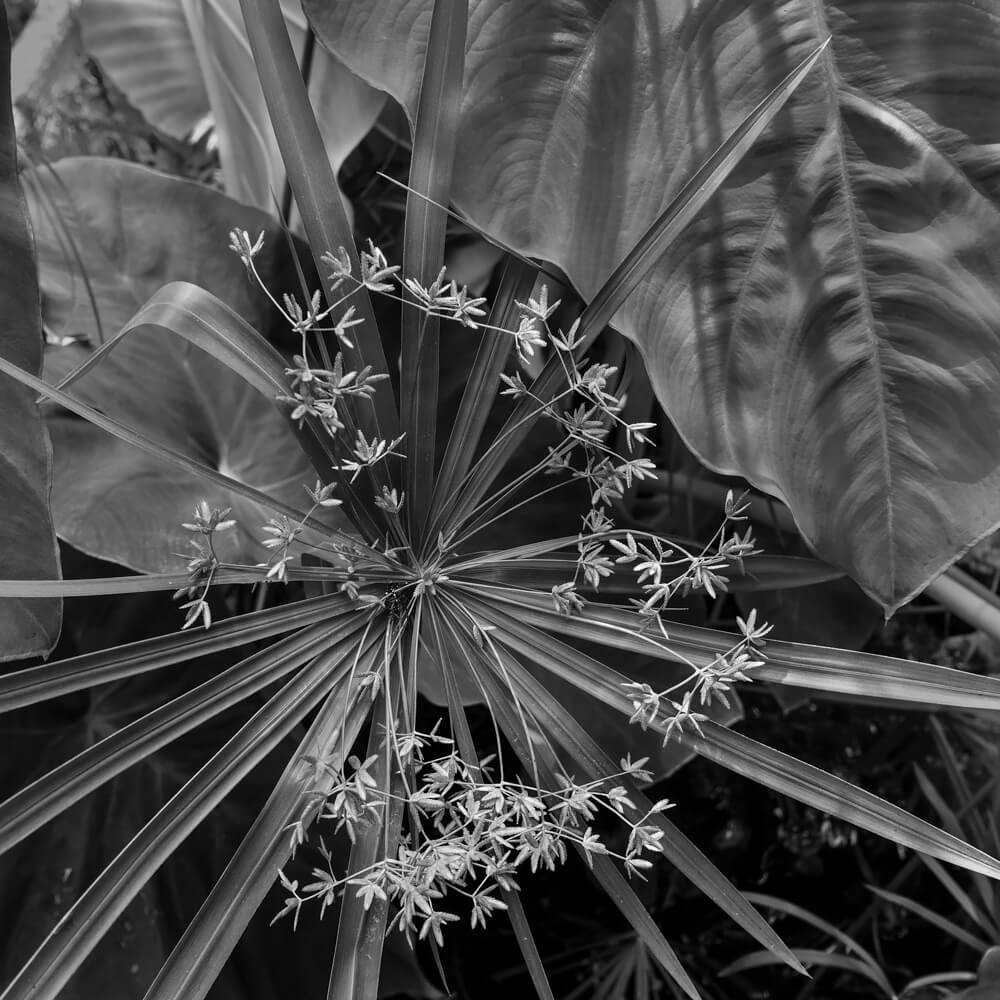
[136, 230]
[27, 626]
[827, 328]
[178, 60]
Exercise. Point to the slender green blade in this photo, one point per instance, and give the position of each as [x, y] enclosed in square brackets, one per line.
[52, 680]
[813, 956]
[738, 753]
[199, 956]
[681, 852]
[690, 200]
[467, 748]
[933, 918]
[979, 915]
[833, 795]
[543, 757]
[794, 664]
[762, 572]
[33, 806]
[357, 957]
[801, 913]
[315, 187]
[105, 585]
[526, 942]
[516, 282]
[90, 918]
[613, 883]
[434, 138]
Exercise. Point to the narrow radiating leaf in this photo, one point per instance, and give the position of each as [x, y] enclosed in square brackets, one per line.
[361, 928]
[543, 757]
[813, 956]
[199, 956]
[434, 136]
[795, 664]
[146, 584]
[56, 791]
[470, 753]
[594, 763]
[315, 187]
[613, 883]
[833, 795]
[933, 918]
[516, 282]
[79, 931]
[526, 942]
[51, 680]
[760, 763]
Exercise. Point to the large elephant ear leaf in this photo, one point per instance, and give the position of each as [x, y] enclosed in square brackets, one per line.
[178, 60]
[110, 235]
[827, 328]
[27, 540]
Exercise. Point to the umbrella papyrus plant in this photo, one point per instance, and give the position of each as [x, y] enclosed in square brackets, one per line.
[403, 524]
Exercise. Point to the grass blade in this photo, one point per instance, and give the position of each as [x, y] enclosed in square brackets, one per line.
[684, 855]
[690, 200]
[516, 283]
[800, 913]
[982, 917]
[75, 936]
[361, 930]
[104, 585]
[738, 753]
[434, 138]
[526, 942]
[206, 945]
[542, 756]
[467, 748]
[27, 810]
[833, 795]
[315, 187]
[52, 680]
[935, 919]
[813, 956]
[794, 664]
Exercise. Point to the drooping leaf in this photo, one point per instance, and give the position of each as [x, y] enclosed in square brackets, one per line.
[827, 327]
[28, 626]
[140, 230]
[88, 836]
[179, 60]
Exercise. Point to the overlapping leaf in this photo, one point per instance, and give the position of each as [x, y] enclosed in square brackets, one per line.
[137, 230]
[827, 329]
[27, 625]
[178, 60]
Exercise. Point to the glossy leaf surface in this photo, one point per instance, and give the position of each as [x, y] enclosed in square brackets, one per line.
[827, 328]
[138, 230]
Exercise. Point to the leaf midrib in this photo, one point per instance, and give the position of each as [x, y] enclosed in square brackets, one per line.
[834, 81]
